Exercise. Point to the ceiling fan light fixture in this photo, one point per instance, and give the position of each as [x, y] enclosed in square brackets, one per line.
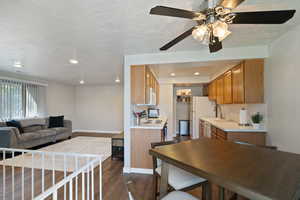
[200, 32]
[220, 30]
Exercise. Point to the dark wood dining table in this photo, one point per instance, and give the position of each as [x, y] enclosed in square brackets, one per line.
[253, 172]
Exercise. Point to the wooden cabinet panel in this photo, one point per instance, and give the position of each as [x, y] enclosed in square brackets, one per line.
[138, 84]
[254, 81]
[220, 90]
[238, 95]
[228, 87]
[251, 138]
[142, 79]
[141, 140]
[157, 93]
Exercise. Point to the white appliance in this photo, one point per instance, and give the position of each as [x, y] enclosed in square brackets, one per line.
[200, 107]
[152, 97]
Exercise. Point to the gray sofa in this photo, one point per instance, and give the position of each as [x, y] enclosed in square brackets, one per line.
[36, 132]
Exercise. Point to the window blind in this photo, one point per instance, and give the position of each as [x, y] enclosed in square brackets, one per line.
[20, 100]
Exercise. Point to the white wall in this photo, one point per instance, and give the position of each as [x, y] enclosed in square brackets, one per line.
[166, 106]
[283, 91]
[99, 108]
[61, 100]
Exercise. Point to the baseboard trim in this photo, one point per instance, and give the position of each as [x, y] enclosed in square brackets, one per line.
[137, 170]
[96, 131]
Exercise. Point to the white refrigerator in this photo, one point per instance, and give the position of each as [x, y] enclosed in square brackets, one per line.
[200, 107]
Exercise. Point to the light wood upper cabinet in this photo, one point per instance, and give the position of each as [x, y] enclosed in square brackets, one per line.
[142, 79]
[228, 87]
[238, 95]
[220, 90]
[212, 91]
[243, 84]
[254, 81]
[248, 82]
[138, 84]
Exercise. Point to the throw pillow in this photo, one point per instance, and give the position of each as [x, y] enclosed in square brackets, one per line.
[56, 121]
[16, 124]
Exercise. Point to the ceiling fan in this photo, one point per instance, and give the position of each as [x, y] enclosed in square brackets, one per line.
[213, 21]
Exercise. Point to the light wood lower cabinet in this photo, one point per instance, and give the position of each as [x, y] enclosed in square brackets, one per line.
[141, 140]
[256, 138]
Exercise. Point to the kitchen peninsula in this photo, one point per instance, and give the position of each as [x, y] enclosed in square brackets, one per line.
[229, 130]
[142, 136]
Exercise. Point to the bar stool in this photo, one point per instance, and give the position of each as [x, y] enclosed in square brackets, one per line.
[178, 179]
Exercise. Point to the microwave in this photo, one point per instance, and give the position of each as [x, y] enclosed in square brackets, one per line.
[153, 113]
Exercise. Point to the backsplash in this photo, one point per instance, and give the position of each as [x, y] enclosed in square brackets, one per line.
[232, 112]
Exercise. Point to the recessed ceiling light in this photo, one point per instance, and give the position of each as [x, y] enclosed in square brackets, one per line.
[81, 82]
[196, 73]
[73, 61]
[18, 64]
[173, 74]
[117, 80]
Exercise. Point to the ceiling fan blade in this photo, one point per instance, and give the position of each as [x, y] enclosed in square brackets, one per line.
[215, 46]
[264, 17]
[230, 3]
[175, 12]
[178, 39]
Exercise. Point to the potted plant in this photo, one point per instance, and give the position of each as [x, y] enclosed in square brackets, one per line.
[257, 119]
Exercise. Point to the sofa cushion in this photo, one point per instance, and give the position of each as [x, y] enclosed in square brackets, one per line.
[37, 135]
[56, 122]
[46, 132]
[32, 122]
[32, 128]
[16, 124]
[60, 130]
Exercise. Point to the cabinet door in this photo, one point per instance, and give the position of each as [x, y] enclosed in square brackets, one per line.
[157, 93]
[220, 90]
[138, 84]
[214, 90]
[148, 85]
[238, 88]
[254, 81]
[228, 87]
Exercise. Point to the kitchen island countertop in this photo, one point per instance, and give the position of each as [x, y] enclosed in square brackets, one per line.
[231, 126]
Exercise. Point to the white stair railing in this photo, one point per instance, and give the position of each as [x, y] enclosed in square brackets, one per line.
[29, 174]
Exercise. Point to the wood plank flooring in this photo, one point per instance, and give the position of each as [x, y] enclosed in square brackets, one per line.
[113, 187]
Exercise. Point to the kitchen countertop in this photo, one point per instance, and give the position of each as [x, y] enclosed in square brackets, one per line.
[151, 125]
[231, 126]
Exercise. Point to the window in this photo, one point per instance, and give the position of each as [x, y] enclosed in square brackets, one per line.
[19, 100]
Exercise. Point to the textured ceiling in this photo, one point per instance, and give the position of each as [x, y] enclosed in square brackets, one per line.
[205, 69]
[43, 34]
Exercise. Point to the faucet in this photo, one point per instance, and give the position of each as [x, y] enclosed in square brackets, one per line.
[219, 109]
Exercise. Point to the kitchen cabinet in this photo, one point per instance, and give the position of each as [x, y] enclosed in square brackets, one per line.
[228, 87]
[238, 95]
[220, 90]
[256, 138]
[141, 140]
[248, 82]
[212, 91]
[143, 82]
[243, 84]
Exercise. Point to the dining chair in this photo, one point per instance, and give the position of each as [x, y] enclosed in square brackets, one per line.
[178, 179]
[175, 195]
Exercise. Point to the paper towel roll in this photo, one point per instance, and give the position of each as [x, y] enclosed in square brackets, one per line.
[243, 116]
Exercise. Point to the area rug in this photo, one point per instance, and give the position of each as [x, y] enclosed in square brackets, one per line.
[82, 145]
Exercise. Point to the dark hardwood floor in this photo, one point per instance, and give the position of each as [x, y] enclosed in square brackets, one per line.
[113, 181]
